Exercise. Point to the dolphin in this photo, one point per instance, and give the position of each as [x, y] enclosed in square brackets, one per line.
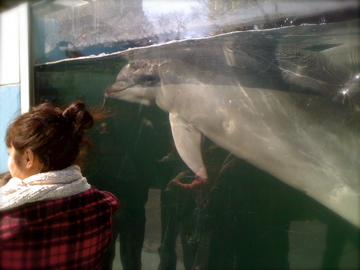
[282, 109]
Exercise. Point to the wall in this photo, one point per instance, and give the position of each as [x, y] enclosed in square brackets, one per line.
[14, 70]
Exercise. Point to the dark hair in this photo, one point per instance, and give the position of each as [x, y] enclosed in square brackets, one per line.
[4, 178]
[55, 136]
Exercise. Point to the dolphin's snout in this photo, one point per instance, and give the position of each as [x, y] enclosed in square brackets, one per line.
[108, 91]
[117, 87]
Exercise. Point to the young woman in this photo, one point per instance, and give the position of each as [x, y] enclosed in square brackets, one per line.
[50, 217]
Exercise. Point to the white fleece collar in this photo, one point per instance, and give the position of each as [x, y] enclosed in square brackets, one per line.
[43, 186]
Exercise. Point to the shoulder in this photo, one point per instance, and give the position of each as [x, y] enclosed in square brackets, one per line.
[91, 204]
[44, 210]
[102, 197]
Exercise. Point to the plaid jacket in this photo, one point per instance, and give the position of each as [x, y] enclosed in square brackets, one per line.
[67, 233]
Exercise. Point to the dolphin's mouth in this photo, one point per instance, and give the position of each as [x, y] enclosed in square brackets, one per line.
[114, 89]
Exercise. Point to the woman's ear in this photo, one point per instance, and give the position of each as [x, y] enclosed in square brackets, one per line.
[29, 158]
[32, 161]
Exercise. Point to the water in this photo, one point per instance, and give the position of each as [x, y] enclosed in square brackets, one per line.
[248, 218]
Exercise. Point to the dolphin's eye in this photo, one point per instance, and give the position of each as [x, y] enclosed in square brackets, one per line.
[150, 79]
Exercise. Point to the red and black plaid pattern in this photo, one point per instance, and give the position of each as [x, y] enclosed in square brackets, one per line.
[67, 233]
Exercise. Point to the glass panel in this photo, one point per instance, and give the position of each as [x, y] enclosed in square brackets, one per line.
[234, 130]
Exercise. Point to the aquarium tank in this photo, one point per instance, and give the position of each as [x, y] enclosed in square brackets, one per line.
[232, 136]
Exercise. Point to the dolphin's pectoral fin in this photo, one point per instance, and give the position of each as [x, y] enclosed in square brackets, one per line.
[187, 140]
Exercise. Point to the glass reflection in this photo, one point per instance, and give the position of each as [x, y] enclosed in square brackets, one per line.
[236, 110]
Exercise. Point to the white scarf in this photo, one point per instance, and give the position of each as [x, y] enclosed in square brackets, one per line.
[43, 186]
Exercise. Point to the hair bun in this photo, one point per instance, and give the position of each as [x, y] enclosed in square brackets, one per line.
[79, 116]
